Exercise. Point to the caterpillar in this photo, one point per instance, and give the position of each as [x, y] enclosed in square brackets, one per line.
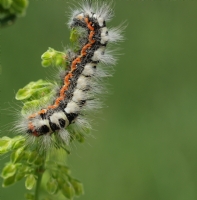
[82, 80]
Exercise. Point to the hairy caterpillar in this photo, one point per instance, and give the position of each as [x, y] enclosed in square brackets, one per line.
[80, 82]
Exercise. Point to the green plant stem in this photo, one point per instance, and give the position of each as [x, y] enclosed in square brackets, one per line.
[37, 190]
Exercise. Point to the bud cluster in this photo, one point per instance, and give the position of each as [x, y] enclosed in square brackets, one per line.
[53, 58]
[29, 164]
[60, 182]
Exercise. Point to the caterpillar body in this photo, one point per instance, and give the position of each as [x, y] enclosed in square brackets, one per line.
[81, 80]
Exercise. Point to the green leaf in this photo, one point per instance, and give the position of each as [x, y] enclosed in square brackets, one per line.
[30, 104]
[9, 170]
[30, 182]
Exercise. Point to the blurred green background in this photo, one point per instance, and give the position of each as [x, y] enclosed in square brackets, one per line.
[144, 146]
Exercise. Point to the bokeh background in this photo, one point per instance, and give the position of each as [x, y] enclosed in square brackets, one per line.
[144, 146]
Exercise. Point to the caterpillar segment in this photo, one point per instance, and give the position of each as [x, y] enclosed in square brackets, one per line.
[64, 110]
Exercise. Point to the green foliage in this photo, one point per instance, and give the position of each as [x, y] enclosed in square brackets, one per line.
[53, 58]
[41, 169]
[33, 165]
[10, 10]
[34, 90]
[35, 94]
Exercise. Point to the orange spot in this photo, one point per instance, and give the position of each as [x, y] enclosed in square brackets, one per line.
[32, 116]
[31, 127]
[43, 111]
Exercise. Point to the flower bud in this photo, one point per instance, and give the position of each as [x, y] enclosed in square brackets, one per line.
[67, 190]
[78, 187]
[8, 181]
[5, 144]
[29, 196]
[64, 170]
[9, 170]
[17, 155]
[32, 157]
[23, 169]
[60, 60]
[46, 63]
[18, 142]
[53, 58]
[39, 161]
[30, 182]
[19, 176]
[52, 186]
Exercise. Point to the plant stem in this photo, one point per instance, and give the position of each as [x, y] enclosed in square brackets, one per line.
[37, 190]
